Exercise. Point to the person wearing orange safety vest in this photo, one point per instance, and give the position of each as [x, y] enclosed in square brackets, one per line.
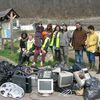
[55, 43]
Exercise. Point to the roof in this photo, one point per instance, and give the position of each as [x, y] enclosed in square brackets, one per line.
[4, 14]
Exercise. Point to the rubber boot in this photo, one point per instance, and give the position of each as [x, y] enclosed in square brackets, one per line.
[92, 66]
[98, 72]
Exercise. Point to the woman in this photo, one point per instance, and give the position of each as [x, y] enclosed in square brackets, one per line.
[55, 43]
[64, 43]
[91, 46]
[23, 42]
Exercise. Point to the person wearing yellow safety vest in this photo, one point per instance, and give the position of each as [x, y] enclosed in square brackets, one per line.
[98, 46]
[55, 43]
[29, 50]
[44, 48]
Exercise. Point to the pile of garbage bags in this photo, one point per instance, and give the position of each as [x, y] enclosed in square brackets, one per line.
[92, 89]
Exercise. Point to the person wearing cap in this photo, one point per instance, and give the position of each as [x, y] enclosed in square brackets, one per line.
[91, 46]
[78, 42]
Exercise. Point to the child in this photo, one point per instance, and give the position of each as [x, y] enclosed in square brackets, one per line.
[45, 45]
[38, 43]
[29, 50]
[22, 45]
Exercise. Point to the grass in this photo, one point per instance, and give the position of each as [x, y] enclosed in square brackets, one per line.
[7, 53]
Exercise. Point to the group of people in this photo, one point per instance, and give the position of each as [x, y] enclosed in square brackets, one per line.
[59, 39]
[88, 41]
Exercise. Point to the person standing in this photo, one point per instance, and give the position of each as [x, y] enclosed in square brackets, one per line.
[98, 46]
[78, 42]
[55, 43]
[91, 46]
[44, 48]
[64, 43]
[38, 43]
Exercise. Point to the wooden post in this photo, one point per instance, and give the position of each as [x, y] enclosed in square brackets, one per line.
[11, 17]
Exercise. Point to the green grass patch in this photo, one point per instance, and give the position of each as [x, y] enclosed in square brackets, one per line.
[7, 53]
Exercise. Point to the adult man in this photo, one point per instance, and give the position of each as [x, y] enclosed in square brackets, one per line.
[78, 42]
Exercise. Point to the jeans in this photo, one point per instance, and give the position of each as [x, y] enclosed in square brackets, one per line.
[79, 56]
[91, 57]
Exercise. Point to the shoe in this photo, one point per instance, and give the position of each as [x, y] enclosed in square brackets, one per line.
[33, 65]
[98, 72]
[41, 64]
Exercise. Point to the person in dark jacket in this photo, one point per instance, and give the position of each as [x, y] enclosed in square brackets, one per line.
[28, 50]
[38, 43]
[23, 42]
[78, 42]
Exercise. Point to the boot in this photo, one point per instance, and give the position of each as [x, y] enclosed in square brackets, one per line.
[98, 72]
[92, 66]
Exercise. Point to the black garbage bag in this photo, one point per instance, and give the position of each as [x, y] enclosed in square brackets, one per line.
[92, 89]
[78, 67]
[25, 69]
[6, 68]
[6, 71]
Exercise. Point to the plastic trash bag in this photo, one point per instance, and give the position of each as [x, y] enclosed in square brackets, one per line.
[92, 89]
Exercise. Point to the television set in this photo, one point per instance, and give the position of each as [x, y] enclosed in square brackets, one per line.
[81, 76]
[65, 79]
[45, 74]
[45, 86]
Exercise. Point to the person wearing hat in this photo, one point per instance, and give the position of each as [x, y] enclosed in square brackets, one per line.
[45, 45]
